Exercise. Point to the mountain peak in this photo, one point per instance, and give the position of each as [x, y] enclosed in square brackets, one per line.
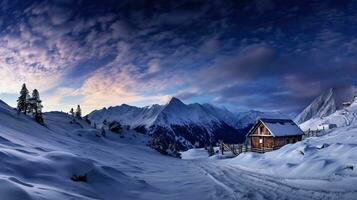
[175, 101]
[327, 103]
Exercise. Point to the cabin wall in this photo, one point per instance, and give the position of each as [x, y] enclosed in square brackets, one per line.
[269, 143]
[261, 138]
[281, 141]
[261, 142]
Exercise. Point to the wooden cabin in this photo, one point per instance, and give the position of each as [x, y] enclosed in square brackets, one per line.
[270, 134]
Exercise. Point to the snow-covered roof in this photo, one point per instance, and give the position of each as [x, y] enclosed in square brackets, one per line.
[281, 127]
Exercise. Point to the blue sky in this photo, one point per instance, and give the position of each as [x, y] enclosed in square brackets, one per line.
[263, 55]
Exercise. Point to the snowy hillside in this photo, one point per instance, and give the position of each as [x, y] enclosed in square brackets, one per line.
[326, 163]
[182, 126]
[315, 168]
[39, 163]
[340, 118]
[326, 104]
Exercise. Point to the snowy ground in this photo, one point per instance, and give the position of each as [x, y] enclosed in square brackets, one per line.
[37, 163]
[341, 118]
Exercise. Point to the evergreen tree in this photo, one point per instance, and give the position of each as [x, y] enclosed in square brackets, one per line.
[39, 118]
[115, 127]
[35, 106]
[160, 143]
[71, 112]
[79, 112]
[22, 104]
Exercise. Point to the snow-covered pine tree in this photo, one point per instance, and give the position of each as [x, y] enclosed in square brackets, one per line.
[22, 104]
[36, 106]
[79, 112]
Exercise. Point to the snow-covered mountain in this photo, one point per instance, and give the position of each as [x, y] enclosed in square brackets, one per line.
[175, 112]
[41, 162]
[346, 116]
[184, 126]
[334, 108]
[326, 104]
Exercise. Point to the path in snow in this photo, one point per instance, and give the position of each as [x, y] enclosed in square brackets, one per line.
[234, 183]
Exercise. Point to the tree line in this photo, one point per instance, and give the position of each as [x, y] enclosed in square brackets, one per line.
[77, 113]
[30, 104]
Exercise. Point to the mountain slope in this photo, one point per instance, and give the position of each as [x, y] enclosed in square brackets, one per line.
[182, 126]
[174, 112]
[322, 106]
[340, 118]
[37, 163]
[326, 104]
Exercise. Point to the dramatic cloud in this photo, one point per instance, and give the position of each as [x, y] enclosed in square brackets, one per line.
[241, 54]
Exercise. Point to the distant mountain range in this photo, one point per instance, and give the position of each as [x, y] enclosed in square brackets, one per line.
[183, 126]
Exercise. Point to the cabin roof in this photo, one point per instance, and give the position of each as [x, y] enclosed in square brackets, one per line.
[280, 127]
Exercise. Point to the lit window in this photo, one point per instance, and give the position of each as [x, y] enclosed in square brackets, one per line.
[260, 141]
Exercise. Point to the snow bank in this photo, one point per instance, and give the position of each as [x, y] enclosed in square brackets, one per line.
[38, 162]
[340, 118]
[197, 153]
[332, 157]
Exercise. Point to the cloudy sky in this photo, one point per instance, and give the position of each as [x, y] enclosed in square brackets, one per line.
[242, 54]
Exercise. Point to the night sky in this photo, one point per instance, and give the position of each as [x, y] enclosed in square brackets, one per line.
[264, 55]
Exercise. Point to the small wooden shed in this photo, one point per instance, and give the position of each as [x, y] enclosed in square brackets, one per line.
[270, 134]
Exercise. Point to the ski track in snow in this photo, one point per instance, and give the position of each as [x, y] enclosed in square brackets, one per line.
[241, 184]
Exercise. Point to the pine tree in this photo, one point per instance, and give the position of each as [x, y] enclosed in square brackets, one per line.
[35, 106]
[79, 112]
[38, 107]
[22, 104]
[71, 112]
[39, 118]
